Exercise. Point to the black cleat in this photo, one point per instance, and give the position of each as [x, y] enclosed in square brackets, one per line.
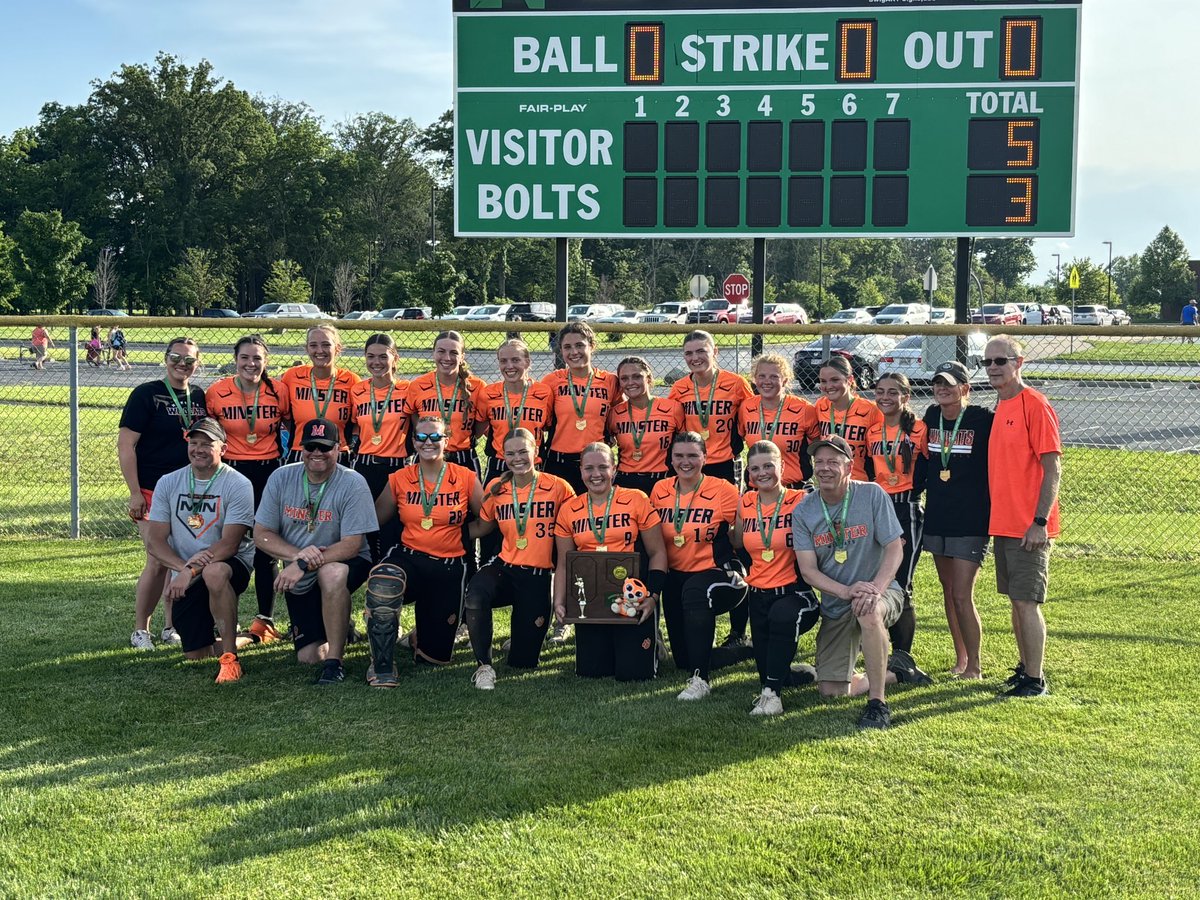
[905, 668]
[876, 715]
[1018, 672]
[331, 672]
[1027, 687]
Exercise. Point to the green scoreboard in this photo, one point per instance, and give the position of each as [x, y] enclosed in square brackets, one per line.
[696, 118]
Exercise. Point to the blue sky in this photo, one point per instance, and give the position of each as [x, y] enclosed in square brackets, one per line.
[1139, 132]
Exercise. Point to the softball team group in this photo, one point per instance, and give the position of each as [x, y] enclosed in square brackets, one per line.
[583, 459]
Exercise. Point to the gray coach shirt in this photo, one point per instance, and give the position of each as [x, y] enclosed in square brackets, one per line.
[871, 525]
[346, 509]
[228, 500]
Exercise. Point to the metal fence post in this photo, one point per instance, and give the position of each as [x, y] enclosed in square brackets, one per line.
[73, 357]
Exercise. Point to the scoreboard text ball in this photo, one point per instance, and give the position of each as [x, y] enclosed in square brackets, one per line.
[693, 118]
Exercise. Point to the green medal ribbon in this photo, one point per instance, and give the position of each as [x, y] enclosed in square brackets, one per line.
[834, 428]
[765, 532]
[428, 500]
[704, 407]
[948, 445]
[186, 417]
[891, 451]
[447, 411]
[515, 420]
[581, 408]
[639, 434]
[378, 410]
[600, 528]
[318, 409]
[762, 423]
[681, 515]
[251, 408]
[313, 506]
[521, 513]
[194, 501]
[837, 530]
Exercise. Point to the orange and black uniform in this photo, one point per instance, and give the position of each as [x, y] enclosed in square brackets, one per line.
[427, 397]
[376, 461]
[303, 406]
[851, 424]
[714, 409]
[267, 405]
[696, 575]
[782, 605]
[433, 557]
[640, 466]
[795, 428]
[520, 575]
[534, 416]
[623, 651]
[568, 440]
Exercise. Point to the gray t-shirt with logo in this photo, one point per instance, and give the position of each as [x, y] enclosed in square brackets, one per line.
[346, 509]
[227, 500]
[871, 525]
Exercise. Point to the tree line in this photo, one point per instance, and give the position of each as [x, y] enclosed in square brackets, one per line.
[170, 190]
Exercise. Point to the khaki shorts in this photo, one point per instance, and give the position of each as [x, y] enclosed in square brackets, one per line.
[838, 640]
[1021, 574]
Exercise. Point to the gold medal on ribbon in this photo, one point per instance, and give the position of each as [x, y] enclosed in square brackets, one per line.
[768, 555]
[840, 555]
[637, 454]
[704, 434]
[580, 424]
[893, 479]
[427, 522]
[680, 540]
[377, 439]
[601, 549]
[195, 520]
[252, 438]
[522, 543]
[944, 475]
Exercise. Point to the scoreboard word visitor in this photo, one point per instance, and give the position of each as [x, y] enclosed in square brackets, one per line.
[687, 118]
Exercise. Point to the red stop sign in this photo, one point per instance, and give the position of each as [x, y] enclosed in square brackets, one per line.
[736, 288]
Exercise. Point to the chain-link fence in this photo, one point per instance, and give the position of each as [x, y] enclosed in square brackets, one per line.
[1126, 398]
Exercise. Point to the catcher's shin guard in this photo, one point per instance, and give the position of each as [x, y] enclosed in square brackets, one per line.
[385, 596]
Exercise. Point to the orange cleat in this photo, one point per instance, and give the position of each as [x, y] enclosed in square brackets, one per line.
[263, 631]
[231, 669]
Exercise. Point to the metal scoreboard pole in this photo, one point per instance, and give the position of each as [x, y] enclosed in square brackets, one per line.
[561, 278]
[758, 293]
[962, 294]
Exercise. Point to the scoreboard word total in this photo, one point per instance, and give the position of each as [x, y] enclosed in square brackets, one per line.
[578, 118]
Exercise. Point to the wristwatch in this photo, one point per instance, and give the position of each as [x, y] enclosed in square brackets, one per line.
[301, 564]
[1039, 520]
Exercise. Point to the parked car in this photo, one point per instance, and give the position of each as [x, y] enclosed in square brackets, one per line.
[493, 312]
[591, 310]
[903, 314]
[219, 312]
[941, 316]
[1092, 315]
[107, 312]
[719, 311]
[1034, 314]
[459, 312]
[531, 312]
[863, 351]
[622, 317]
[919, 354]
[287, 311]
[776, 314]
[673, 313]
[360, 314]
[852, 316]
[1060, 315]
[1120, 317]
[997, 314]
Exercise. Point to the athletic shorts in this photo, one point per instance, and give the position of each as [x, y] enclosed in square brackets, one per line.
[193, 618]
[39, 351]
[972, 549]
[1021, 574]
[838, 640]
[308, 625]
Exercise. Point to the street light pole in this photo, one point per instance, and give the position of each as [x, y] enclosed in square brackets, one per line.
[1057, 275]
[1109, 303]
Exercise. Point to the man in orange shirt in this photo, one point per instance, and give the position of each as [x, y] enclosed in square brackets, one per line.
[1024, 467]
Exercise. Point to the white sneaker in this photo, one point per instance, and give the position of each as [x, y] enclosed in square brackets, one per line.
[484, 678]
[697, 688]
[171, 636]
[559, 635]
[462, 635]
[767, 704]
[140, 640]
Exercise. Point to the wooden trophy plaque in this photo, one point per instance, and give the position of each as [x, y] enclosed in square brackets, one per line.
[594, 582]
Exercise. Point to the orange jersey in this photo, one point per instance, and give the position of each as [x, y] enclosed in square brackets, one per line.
[463, 406]
[702, 512]
[548, 499]
[225, 402]
[534, 417]
[853, 425]
[1025, 429]
[444, 537]
[665, 421]
[568, 438]
[365, 401]
[304, 407]
[628, 517]
[797, 424]
[779, 571]
[875, 449]
[727, 397]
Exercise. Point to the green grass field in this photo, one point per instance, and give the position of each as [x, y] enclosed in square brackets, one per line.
[131, 774]
[1166, 352]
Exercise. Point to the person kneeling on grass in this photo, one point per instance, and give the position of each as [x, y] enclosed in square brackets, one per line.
[199, 528]
[315, 515]
[848, 546]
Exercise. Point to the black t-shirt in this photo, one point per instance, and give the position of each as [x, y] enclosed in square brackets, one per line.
[959, 507]
[151, 412]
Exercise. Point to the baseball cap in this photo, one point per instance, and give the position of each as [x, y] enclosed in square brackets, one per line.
[833, 442]
[952, 371]
[321, 432]
[209, 427]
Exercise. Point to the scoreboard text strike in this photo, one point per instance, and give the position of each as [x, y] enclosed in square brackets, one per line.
[582, 118]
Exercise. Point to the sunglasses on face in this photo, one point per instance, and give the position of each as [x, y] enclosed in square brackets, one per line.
[422, 437]
[177, 358]
[997, 361]
[317, 448]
